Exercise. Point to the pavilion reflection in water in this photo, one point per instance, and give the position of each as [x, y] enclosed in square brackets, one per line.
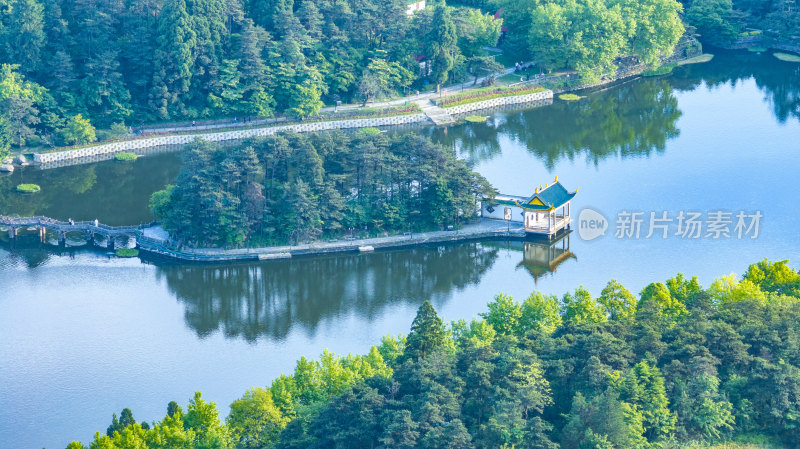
[540, 256]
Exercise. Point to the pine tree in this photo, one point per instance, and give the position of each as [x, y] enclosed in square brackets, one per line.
[427, 333]
[25, 35]
[138, 46]
[254, 73]
[173, 61]
[443, 44]
[304, 222]
[101, 88]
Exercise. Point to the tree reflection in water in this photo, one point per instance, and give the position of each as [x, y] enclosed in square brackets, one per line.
[779, 80]
[266, 299]
[114, 192]
[631, 119]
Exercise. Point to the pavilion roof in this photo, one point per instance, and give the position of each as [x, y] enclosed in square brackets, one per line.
[552, 196]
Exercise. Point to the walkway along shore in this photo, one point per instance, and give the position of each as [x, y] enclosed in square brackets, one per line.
[485, 229]
[237, 134]
[152, 241]
[429, 112]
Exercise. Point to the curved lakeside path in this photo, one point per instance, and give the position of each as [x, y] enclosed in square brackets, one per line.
[429, 111]
[484, 229]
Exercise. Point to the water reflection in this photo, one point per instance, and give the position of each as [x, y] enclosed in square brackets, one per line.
[267, 299]
[779, 80]
[116, 193]
[481, 141]
[632, 119]
[29, 251]
[542, 257]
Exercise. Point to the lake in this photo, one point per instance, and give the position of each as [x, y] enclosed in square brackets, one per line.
[85, 334]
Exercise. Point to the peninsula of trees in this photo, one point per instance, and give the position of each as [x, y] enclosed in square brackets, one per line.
[677, 366]
[293, 188]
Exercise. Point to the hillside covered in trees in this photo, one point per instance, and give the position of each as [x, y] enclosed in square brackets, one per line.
[294, 188]
[676, 364]
[71, 68]
[720, 22]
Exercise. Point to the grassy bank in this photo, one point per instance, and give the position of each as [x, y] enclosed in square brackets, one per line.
[486, 93]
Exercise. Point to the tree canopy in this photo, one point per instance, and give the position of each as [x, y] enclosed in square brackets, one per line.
[297, 188]
[140, 61]
[724, 367]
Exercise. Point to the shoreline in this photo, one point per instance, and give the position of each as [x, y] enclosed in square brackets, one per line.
[108, 149]
[102, 151]
[484, 229]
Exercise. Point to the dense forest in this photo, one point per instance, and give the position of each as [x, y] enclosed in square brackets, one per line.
[293, 188]
[676, 364]
[722, 21]
[75, 71]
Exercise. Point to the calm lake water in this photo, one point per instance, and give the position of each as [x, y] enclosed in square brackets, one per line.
[83, 334]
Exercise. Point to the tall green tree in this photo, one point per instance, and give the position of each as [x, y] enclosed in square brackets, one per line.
[304, 222]
[77, 130]
[714, 19]
[580, 307]
[173, 60]
[18, 107]
[254, 420]
[102, 91]
[442, 44]
[643, 387]
[203, 419]
[427, 333]
[540, 313]
[504, 314]
[654, 28]
[257, 100]
[476, 30]
[618, 302]
[24, 34]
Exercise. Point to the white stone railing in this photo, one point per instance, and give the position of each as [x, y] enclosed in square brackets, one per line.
[502, 101]
[180, 139]
[57, 158]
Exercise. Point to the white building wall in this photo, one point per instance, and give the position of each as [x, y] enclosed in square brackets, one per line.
[414, 7]
[498, 212]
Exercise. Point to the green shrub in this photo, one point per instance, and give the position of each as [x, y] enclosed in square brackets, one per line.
[475, 118]
[118, 130]
[127, 252]
[125, 156]
[369, 131]
[569, 97]
[28, 188]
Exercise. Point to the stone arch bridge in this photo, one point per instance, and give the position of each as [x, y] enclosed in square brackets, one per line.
[94, 231]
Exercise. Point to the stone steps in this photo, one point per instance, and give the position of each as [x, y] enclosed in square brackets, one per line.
[437, 115]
